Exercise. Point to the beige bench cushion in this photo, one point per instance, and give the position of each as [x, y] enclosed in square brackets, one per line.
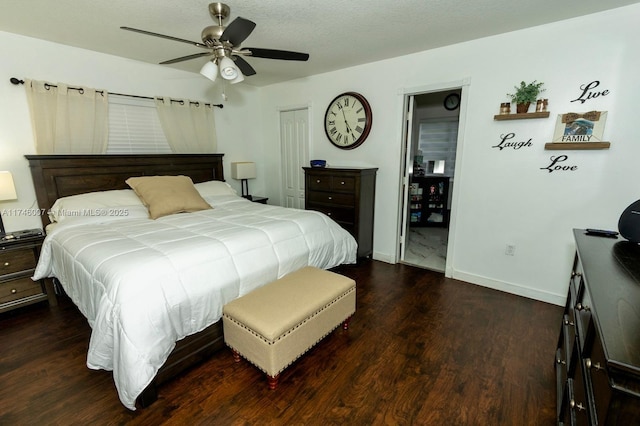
[275, 324]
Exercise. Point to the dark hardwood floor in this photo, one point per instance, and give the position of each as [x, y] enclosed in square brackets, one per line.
[421, 349]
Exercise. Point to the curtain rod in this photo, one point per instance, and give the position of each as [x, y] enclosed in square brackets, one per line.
[17, 81]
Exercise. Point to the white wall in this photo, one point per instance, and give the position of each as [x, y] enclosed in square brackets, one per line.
[237, 124]
[503, 197]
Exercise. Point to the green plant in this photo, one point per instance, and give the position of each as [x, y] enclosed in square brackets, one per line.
[526, 93]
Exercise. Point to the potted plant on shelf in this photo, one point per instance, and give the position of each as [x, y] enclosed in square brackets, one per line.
[525, 94]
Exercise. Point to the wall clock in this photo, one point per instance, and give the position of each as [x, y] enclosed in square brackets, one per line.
[452, 101]
[348, 119]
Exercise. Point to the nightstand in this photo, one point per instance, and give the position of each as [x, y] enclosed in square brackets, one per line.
[261, 200]
[18, 259]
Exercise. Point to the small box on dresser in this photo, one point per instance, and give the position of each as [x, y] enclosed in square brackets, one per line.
[18, 259]
[347, 195]
[598, 353]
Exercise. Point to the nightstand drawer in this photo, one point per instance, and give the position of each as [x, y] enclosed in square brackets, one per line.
[18, 289]
[17, 260]
[331, 198]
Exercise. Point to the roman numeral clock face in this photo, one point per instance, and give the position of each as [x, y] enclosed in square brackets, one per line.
[347, 121]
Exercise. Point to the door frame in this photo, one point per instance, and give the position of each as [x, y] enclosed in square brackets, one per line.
[403, 180]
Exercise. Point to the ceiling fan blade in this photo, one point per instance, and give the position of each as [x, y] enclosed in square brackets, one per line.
[237, 31]
[277, 54]
[186, 58]
[244, 66]
[181, 40]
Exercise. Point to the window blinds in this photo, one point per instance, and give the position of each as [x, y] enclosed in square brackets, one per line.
[134, 127]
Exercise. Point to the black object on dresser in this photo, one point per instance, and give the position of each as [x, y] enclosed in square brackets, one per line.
[598, 355]
[347, 195]
[18, 259]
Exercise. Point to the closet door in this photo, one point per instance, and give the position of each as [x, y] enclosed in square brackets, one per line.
[294, 145]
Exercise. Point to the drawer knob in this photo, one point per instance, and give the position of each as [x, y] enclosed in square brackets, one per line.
[342, 183]
[14, 291]
[581, 307]
[590, 364]
[6, 263]
[329, 214]
[579, 406]
[331, 198]
[317, 180]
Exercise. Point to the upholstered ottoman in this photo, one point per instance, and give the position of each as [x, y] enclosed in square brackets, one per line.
[275, 324]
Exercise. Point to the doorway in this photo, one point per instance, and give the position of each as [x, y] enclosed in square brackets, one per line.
[431, 145]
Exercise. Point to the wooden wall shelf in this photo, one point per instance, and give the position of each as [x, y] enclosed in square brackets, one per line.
[577, 145]
[501, 117]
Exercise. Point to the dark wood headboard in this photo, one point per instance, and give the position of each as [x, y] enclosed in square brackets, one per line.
[56, 176]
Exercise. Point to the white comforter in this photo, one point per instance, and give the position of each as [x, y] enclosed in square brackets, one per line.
[145, 284]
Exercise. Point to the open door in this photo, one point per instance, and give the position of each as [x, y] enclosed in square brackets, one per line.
[408, 170]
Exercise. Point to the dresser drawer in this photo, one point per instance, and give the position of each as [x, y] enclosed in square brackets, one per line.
[332, 183]
[18, 289]
[344, 216]
[331, 198]
[596, 366]
[17, 260]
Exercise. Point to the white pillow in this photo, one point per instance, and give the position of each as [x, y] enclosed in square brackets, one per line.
[214, 187]
[92, 203]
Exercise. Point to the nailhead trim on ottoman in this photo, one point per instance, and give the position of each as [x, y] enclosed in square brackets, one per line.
[275, 324]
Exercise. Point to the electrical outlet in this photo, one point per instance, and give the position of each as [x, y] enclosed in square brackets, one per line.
[510, 250]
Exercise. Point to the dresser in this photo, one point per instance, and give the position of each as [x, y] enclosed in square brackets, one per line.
[598, 353]
[347, 195]
[18, 259]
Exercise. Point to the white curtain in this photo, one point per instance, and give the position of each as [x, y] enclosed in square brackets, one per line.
[68, 120]
[189, 126]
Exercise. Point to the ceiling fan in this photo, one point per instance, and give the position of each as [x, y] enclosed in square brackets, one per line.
[223, 43]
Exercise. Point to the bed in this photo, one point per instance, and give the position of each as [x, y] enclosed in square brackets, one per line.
[153, 289]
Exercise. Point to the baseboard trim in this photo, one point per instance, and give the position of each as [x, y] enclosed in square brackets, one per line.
[518, 290]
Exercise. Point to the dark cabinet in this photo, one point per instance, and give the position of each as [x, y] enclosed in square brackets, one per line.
[347, 195]
[598, 354]
[428, 201]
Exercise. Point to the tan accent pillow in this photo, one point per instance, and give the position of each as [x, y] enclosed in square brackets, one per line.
[165, 195]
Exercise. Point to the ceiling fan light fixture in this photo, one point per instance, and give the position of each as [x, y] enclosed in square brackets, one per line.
[238, 79]
[229, 70]
[210, 70]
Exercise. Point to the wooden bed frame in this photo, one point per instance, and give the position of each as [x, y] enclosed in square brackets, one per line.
[56, 176]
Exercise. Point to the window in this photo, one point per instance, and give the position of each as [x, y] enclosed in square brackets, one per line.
[437, 142]
[134, 127]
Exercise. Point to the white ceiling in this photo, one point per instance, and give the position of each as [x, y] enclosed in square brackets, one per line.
[336, 33]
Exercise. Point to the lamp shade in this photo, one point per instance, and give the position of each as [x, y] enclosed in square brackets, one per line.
[7, 187]
[243, 170]
[228, 70]
[210, 70]
[238, 79]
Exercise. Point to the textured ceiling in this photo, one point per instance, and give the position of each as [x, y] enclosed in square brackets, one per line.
[336, 33]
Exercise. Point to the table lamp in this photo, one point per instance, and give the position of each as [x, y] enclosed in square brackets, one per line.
[242, 171]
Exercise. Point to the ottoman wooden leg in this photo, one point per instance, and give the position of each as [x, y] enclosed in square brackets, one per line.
[236, 355]
[273, 381]
[345, 324]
